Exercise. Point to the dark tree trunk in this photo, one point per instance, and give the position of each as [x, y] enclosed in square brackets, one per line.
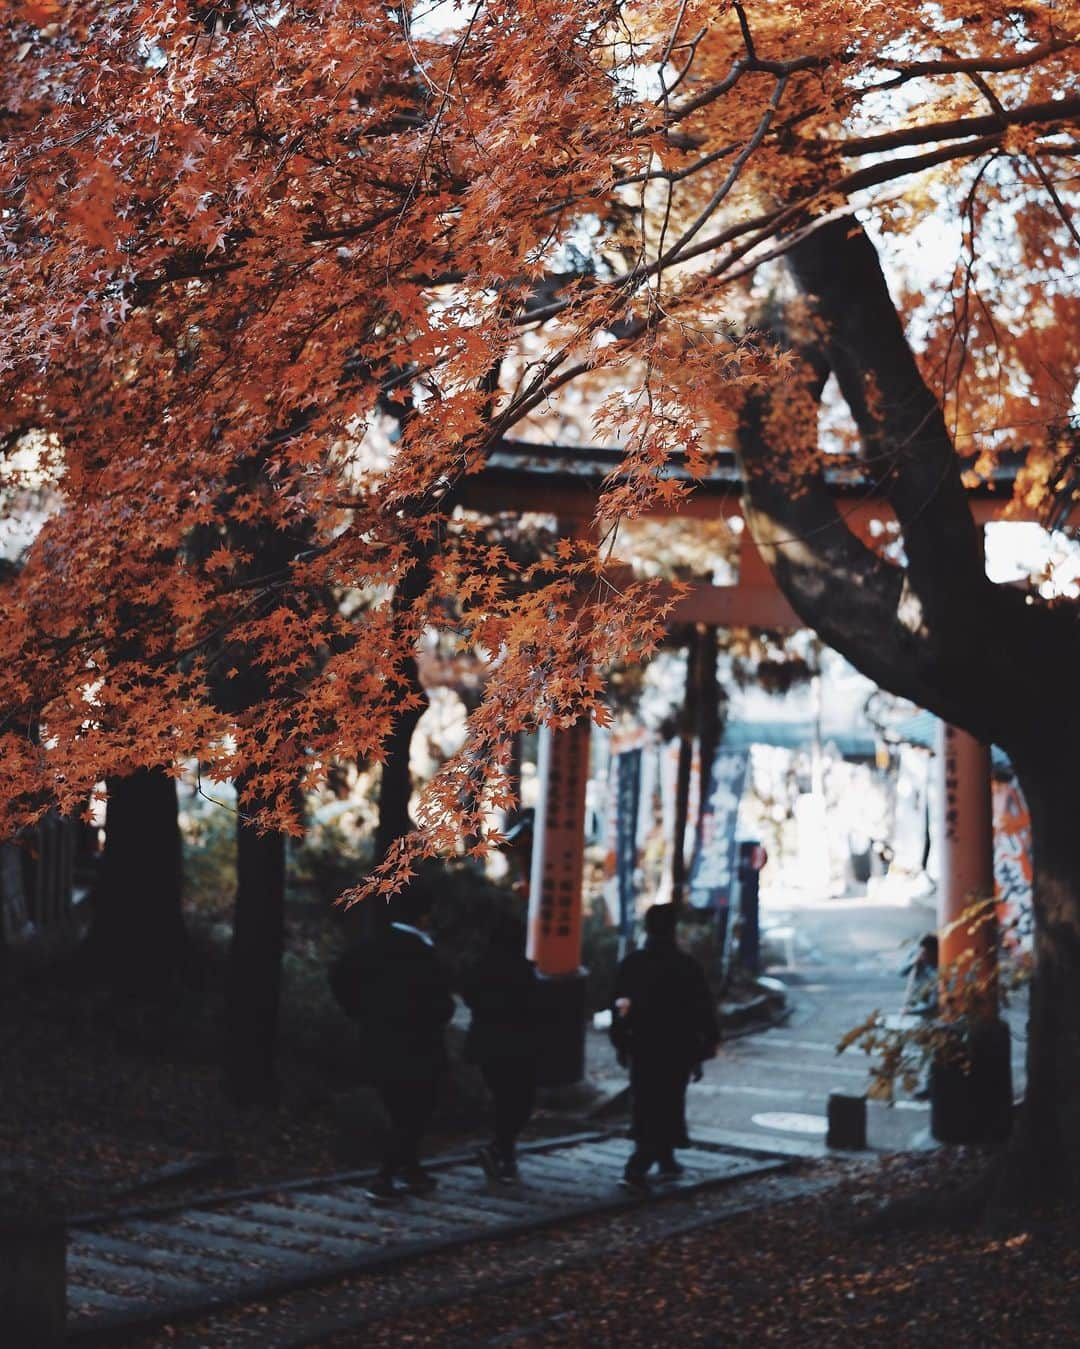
[1044, 1160]
[253, 993]
[396, 785]
[137, 941]
[364, 921]
[935, 630]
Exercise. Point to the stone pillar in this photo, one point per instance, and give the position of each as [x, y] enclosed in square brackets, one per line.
[555, 899]
[971, 1081]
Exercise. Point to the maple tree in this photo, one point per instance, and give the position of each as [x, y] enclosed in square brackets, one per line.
[286, 273]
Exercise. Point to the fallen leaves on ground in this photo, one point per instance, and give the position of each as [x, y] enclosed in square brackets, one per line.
[814, 1272]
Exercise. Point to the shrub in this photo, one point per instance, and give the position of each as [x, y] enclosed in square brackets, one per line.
[466, 907]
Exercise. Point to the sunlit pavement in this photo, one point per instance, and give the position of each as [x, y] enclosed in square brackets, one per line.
[773, 1086]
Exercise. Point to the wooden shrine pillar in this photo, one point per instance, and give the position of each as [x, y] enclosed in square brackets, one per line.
[555, 900]
[971, 1096]
[968, 938]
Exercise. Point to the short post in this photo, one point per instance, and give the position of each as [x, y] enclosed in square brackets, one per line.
[33, 1284]
[847, 1122]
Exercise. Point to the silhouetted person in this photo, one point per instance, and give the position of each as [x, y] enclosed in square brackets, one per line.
[663, 1026]
[921, 994]
[396, 988]
[500, 990]
[921, 997]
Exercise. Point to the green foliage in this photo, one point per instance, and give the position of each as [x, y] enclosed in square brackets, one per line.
[209, 843]
[332, 856]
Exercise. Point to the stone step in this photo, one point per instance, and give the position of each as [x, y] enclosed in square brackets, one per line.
[610, 1161]
[568, 1180]
[157, 1257]
[356, 1220]
[306, 1220]
[258, 1235]
[261, 1245]
[93, 1266]
[399, 1221]
[478, 1195]
[84, 1297]
[274, 1259]
[452, 1207]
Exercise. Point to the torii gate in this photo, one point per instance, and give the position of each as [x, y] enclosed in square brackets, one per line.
[565, 481]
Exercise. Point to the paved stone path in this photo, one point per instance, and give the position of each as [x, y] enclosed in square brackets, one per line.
[145, 1270]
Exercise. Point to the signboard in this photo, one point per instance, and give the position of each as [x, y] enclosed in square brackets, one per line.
[712, 876]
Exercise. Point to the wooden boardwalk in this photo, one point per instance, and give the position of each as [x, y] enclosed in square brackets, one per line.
[145, 1269]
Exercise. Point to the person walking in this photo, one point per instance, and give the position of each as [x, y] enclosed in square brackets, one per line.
[394, 985]
[921, 999]
[921, 993]
[663, 1027]
[501, 992]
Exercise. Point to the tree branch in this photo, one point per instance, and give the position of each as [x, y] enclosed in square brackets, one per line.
[900, 421]
[801, 534]
[958, 128]
[973, 65]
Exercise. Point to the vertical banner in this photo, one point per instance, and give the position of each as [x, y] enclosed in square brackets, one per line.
[650, 771]
[555, 882]
[668, 770]
[628, 797]
[712, 875]
[1012, 865]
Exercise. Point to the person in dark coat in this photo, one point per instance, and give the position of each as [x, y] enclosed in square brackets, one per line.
[663, 1026]
[394, 985]
[500, 990]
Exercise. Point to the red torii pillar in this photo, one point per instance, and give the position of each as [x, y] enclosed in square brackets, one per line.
[968, 940]
[555, 900]
[971, 1097]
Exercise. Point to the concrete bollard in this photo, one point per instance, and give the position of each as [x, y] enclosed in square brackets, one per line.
[33, 1291]
[847, 1121]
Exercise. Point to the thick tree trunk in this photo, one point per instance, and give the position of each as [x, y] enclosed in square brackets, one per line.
[1044, 1160]
[254, 979]
[934, 630]
[137, 941]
